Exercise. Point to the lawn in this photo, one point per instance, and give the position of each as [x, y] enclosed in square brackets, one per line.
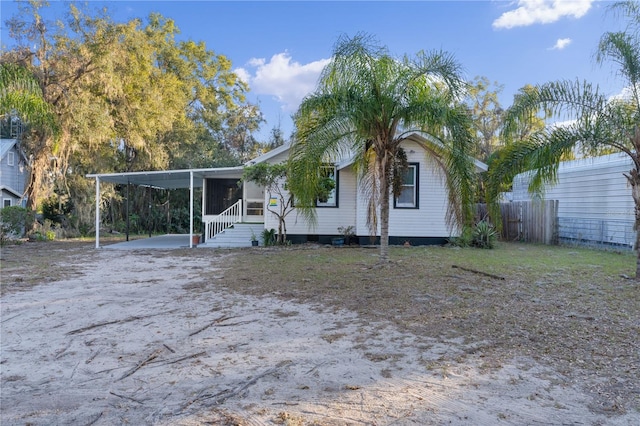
[570, 309]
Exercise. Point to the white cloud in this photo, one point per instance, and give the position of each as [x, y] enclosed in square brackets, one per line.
[531, 12]
[626, 94]
[281, 77]
[561, 44]
[242, 74]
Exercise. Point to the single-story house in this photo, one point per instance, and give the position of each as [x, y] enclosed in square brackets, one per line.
[417, 216]
[13, 173]
[595, 206]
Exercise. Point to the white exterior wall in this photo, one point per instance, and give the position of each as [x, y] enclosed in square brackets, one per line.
[270, 219]
[429, 220]
[328, 218]
[590, 188]
[595, 200]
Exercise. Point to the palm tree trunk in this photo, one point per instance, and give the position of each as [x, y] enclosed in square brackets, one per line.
[634, 180]
[384, 209]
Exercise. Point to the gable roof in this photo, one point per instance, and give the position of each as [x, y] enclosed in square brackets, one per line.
[172, 179]
[6, 145]
[11, 191]
[268, 155]
[416, 137]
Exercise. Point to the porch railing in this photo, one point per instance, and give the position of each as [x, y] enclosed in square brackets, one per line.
[214, 225]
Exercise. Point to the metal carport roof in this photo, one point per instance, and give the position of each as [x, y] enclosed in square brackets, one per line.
[169, 179]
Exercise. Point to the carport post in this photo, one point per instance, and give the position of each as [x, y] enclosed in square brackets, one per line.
[97, 212]
[191, 209]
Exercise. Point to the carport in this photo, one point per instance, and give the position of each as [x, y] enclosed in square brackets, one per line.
[167, 179]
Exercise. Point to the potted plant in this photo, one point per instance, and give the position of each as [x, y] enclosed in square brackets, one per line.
[254, 239]
[337, 241]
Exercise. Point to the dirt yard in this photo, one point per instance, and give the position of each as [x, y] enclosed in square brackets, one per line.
[198, 337]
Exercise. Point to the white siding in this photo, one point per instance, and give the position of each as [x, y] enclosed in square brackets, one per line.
[280, 158]
[588, 188]
[595, 200]
[328, 218]
[429, 220]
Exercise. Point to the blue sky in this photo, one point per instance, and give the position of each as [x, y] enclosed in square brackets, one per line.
[279, 48]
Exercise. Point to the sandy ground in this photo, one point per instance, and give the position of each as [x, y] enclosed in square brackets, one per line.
[142, 339]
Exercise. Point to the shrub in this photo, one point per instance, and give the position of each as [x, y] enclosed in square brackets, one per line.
[464, 240]
[55, 210]
[43, 231]
[269, 237]
[484, 235]
[13, 222]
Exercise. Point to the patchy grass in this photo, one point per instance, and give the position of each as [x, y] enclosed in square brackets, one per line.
[568, 308]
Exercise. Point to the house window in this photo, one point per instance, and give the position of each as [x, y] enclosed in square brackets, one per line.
[408, 198]
[6, 202]
[10, 159]
[332, 199]
[255, 208]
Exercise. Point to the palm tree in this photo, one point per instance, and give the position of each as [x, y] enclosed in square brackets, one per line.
[600, 124]
[21, 95]
[365, 104]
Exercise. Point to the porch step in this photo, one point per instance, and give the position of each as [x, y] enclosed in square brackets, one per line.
[238, 236]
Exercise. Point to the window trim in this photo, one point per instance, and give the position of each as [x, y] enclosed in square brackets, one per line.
[416, 190]
[4, 201]
[11, 158]
[336, 173]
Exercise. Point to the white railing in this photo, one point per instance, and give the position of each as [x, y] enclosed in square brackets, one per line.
[213, 225]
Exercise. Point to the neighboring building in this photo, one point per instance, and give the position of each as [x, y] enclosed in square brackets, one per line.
[595, 206]
[417, 216]
[13, 173]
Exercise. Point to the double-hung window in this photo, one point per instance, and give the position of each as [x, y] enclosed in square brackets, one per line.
[330, 199]
[408, 198]
[10, 159]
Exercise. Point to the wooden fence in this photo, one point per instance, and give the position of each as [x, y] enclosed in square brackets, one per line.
[527, 221]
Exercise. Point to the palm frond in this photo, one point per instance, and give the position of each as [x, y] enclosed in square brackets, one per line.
[623, 50]
[539, 155]
[365, 103]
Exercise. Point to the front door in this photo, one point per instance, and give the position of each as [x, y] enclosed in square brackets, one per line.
[254, 202]
[221, 194]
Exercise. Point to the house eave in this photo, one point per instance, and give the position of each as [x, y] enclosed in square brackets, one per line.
[12, 191]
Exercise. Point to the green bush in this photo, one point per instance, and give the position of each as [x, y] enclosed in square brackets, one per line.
[13, 222]
[464, 240]
[55, 210]
[269, 237]
[484, 235]
[43, 232]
